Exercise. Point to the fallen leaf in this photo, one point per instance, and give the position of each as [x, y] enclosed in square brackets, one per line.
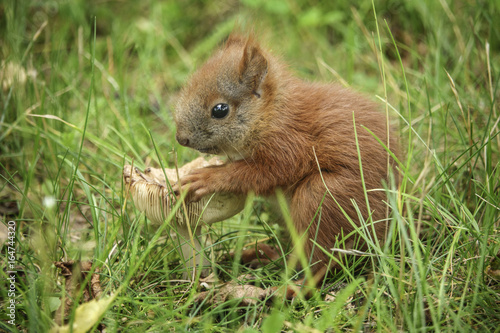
[74, 273]
[86, 316]
[246, 294]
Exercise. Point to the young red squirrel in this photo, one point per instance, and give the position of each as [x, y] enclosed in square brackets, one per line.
[280, 132]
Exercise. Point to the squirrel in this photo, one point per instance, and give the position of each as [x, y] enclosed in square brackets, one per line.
[281, 133]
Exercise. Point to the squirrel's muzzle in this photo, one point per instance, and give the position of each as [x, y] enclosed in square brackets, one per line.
[183, 141]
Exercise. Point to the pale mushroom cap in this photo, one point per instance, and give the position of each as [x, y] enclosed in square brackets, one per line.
[151, 195]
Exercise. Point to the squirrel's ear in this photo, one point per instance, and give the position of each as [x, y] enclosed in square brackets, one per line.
[253, 67]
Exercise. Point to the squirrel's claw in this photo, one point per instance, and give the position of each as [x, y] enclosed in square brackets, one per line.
[176, 190]
[197, 185]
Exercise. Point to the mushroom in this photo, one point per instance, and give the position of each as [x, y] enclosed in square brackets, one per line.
[152, 195]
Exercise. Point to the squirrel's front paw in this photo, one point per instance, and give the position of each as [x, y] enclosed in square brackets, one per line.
[197, 184]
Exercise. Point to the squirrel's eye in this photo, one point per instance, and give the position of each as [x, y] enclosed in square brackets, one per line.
[220, 111]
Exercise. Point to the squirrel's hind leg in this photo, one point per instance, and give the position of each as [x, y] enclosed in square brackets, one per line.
[328, 207]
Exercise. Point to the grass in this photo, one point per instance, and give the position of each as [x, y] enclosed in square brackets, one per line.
[79, 102]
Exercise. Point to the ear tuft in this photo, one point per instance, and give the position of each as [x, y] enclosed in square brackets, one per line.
[235, 39]
[253, 67]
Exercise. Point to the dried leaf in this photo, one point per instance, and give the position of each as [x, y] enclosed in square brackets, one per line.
[246, 294]
[75, 272]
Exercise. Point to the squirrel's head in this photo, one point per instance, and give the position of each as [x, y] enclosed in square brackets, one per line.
[222, 102]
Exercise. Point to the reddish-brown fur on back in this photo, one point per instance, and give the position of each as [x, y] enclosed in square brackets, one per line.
[283, 132]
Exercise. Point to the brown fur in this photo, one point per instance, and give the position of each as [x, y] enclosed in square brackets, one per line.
[276, 128]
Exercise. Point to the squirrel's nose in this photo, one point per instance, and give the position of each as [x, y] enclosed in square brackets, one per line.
[182, 140]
